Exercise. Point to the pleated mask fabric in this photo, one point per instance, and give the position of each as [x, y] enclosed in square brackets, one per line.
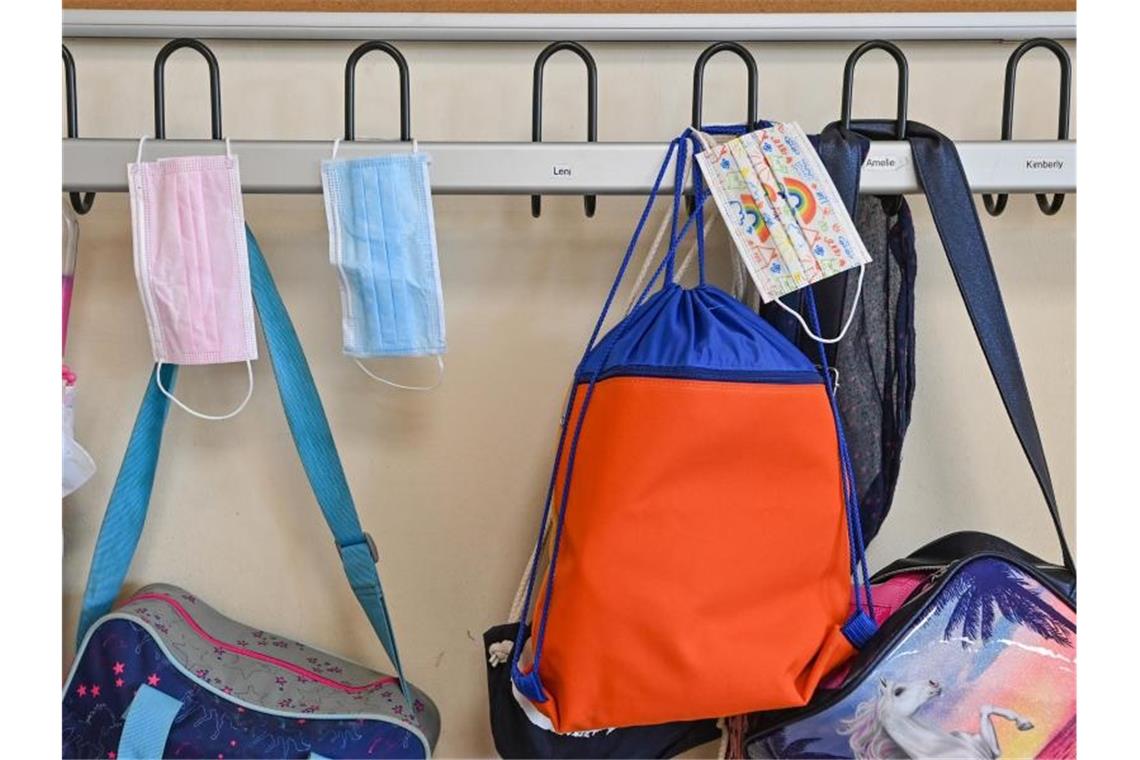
[382, 242]
[191, 259]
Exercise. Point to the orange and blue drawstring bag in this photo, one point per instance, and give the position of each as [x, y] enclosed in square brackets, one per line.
[706, 557]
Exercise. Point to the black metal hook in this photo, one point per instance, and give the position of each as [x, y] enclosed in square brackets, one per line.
[350, 88]
[81, 202]
[699, 89]
[1048, 207]
[891, 204]
[699, 78]
[590, 201]
[160, 86]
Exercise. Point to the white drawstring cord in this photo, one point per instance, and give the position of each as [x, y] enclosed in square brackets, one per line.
[847, 324]
[200, 415]
[439, 378]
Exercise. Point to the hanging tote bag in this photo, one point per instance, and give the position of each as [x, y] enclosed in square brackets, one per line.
[167, 676]
[980, 659]
[874, 363]
[699, 465]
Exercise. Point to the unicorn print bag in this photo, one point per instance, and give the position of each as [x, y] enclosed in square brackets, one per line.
[979, 662]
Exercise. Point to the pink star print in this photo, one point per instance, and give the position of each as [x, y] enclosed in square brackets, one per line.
[94, 691]
[81, 691]
[119, 682]
[153, 679]
[119, 668]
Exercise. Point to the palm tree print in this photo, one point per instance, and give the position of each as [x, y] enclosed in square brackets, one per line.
[777, 745]
[987, 588]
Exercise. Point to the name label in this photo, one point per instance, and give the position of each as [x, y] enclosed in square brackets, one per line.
[884, 163]
[1053, 164]
[561, 170]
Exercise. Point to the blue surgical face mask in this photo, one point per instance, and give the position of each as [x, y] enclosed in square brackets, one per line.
[382, 243]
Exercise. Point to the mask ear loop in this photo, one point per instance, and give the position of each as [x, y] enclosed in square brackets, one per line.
[336, 147]
[138, 156]
[200, 415]
[847, 324]
[436, 384]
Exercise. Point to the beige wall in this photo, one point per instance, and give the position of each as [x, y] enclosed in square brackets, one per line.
[450, 481]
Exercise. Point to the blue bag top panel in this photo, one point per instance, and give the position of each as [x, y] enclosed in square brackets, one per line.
[700, 332]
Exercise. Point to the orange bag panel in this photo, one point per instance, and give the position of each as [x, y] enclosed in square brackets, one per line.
[704, 568]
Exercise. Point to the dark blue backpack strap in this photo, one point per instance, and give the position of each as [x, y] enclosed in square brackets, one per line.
[956, 218]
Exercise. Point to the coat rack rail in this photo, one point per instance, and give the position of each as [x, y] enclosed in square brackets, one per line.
[550, 168]
[501, 27]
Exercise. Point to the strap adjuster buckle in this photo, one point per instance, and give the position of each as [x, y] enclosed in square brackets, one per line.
[366, 539]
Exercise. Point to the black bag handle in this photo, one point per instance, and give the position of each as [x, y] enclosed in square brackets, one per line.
[944, 182]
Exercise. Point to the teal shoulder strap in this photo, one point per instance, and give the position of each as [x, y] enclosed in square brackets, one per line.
[126, 511]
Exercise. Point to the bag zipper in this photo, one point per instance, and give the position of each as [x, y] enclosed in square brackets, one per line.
[291, 667]
[918, 600]
[790, 376]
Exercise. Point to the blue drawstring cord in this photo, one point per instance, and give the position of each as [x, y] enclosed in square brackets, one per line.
[861, 626]
[529, 683]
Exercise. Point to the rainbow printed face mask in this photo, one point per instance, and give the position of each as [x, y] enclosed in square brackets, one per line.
[782, 209]
[192, 264]
[382, 243]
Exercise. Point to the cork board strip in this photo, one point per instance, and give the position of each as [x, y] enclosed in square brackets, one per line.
[582, 6]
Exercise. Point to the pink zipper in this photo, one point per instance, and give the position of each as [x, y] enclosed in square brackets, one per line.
[296, 669]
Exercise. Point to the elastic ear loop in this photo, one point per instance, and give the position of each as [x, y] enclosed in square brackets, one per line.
[847, 324]
[229, 154]
[200, 415]
[436, 384]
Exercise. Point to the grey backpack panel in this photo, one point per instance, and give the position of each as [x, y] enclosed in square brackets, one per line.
[264, 669]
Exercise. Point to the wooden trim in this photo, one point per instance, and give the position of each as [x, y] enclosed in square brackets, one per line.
[583, 6]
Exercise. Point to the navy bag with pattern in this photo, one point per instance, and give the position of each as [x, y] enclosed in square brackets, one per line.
[164, 675]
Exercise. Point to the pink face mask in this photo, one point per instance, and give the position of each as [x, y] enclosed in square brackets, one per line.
[192, 263]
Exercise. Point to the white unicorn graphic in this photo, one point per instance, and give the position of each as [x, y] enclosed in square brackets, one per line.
[885, 727]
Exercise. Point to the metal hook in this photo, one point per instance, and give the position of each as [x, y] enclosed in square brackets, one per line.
[699, 78]
[82, 203]
[893, 204]
[699, 87]
[1048, 207]
[160, 87]
[590, 201]
[350, 88]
